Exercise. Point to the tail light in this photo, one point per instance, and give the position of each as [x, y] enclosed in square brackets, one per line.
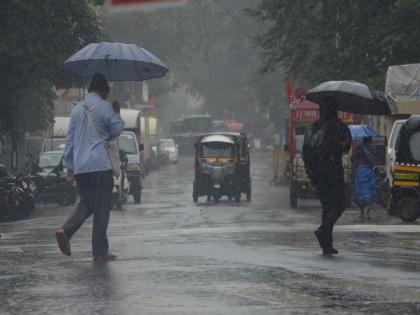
[138, 167]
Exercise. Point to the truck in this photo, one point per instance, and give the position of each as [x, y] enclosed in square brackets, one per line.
[57, 140]
[302, 114]
[153, 154]
[186, 129]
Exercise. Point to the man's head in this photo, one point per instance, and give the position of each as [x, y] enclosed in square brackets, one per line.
[328, 110]
[99, 85]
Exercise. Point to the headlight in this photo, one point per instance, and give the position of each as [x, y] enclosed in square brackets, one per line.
[301, 173]
[299, 162]
[205, 169]
[131, 167]
[229, 169]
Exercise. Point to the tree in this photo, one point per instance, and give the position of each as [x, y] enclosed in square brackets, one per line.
[209, 48]
[330, 39]
[36, 39]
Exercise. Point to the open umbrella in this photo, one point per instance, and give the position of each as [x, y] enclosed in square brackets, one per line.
[116, 61]
[350, 96]
[360, 131]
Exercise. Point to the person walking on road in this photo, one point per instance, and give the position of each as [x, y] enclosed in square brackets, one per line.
[363, 160]
[86, 157]
[324, 144]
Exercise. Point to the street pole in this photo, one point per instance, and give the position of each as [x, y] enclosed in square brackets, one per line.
[146, 140]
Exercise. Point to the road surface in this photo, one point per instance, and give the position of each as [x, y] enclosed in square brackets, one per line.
[175, 257]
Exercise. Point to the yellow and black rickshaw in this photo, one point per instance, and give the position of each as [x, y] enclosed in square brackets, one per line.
[405, 190]
[221, 166]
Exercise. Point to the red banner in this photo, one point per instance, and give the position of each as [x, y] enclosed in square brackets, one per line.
[144, 4]
[140, 2]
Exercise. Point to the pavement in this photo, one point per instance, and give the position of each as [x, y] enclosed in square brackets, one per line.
[175, 257]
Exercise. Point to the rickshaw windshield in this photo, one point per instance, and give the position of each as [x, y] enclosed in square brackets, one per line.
[414, 144]
[217, 150]
[408, 143]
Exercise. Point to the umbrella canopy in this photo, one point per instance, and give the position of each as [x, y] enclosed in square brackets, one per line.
[350, 96]
[116, 61]
[360, 131]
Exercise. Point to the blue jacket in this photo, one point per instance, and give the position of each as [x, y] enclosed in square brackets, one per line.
[85, 149]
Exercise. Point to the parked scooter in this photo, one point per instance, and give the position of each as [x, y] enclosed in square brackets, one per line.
[121, 184]
[53, 187]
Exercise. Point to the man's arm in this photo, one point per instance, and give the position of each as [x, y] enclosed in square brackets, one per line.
[114, 122]
[347, 138]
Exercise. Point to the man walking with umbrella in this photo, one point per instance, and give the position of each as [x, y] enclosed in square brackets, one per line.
[325, 142]
[92, 122]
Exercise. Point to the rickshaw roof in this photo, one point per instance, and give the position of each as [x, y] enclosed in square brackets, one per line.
[412, 123]
[217, 138]
[230, 133]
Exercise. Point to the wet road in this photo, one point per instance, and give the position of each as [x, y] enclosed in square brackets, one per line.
[178, 258]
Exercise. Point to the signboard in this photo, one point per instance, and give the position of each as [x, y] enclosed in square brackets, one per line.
[306, 111]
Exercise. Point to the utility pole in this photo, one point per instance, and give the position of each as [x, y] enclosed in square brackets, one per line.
[146, 140]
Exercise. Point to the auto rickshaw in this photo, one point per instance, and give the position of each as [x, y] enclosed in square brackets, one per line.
[405, 172]
[218, 166]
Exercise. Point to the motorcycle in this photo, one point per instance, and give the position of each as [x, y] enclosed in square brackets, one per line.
[53, 187]
[16, 198]
[121, 187]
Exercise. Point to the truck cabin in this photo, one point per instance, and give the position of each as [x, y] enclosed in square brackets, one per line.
[131, 119]
[57, 140]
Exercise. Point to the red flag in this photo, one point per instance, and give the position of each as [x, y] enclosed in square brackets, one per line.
[144, 4]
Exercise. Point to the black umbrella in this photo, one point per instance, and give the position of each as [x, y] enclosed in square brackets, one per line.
[351, 97]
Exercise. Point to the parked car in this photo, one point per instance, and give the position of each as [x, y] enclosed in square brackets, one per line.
[51, 184]
[168, 145]
[49, 160]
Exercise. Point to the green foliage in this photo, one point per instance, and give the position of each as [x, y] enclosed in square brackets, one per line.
[37, 38]
[334, 40]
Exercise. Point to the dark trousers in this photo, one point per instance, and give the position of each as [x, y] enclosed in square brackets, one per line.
[95, 191]
[331, 192]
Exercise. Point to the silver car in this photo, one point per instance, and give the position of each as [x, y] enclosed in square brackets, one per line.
[168, 145]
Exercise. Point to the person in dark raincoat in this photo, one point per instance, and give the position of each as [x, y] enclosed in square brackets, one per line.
[324, 144]
[363, 160]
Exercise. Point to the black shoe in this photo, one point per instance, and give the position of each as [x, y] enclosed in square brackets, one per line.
[329, 251]
[321, 238]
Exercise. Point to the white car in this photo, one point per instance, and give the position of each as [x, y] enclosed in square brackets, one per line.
[168, 145]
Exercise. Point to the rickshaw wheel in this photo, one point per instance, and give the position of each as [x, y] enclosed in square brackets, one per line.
[248, 195]
[408, 208]
[195, 194]
[293, 198]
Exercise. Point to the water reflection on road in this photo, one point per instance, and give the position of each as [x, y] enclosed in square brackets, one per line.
[175, 257]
